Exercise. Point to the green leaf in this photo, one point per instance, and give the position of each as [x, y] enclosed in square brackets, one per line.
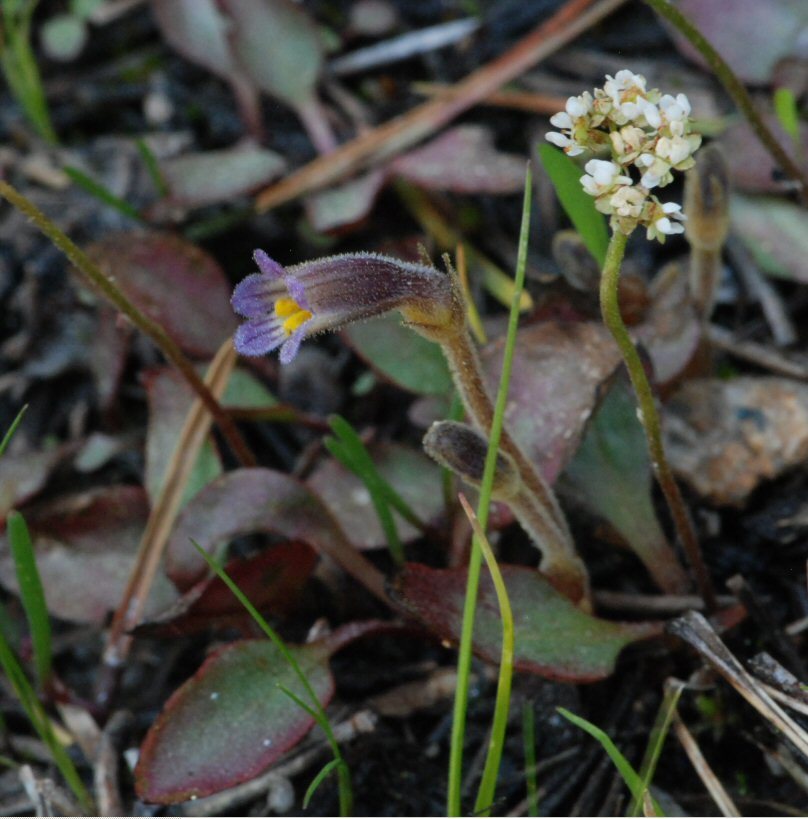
[785, 106]
[624, 767]
[401, 356]
[554, 638]
[32, 594]
[578, 205]
[349, 450]
[611, 474]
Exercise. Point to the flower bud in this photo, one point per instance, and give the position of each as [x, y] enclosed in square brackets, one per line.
[463, 450]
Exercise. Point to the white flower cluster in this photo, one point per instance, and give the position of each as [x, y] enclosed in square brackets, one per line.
[641, 129]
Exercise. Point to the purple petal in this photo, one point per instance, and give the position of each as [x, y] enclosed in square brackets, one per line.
[255, 296]
[258, 336]
[297, 291]
[290, 348]
[267, 265]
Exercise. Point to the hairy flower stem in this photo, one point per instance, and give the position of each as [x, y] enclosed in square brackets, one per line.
[538, 508]
[610, 309]
[106, 287]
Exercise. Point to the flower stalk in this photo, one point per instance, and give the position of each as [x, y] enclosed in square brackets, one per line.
[649, 135]
[282, 306]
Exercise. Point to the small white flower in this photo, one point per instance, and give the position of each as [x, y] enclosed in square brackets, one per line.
[569, 146]
[627, 143]
[601, 176]
[659, 223]
[574, 121]
[628, 201]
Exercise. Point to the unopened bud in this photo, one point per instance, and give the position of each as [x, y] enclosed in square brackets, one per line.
[707, 200]
[463, 450]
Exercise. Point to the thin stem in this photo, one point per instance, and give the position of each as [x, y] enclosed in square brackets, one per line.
[610, 309]
[538, 504]
[104, 285]
[735, 88]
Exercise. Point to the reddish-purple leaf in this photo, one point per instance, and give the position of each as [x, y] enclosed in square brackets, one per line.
[751, 36]
[85, 550]
[232, 720]
[245, 501]
[174, 282]
[463, 160]
[272, 580]
[414, 476]
[558, 370]
[554, 638]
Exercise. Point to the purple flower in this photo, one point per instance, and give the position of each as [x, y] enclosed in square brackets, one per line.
[285, 305]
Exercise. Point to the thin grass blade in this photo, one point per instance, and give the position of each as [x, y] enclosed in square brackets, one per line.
[32, 595]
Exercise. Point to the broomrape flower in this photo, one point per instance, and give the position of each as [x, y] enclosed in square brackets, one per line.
[285, 305]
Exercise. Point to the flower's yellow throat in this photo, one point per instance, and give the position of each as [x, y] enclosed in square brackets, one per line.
[295, 315]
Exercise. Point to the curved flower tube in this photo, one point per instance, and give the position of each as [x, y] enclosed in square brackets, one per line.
[285, 305]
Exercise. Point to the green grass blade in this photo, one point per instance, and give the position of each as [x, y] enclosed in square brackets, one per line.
[152, 166]
[499, 725]
[632, 779]
[476, 557]
[12, 429]
[529, 742]
[656, 739]
[32, 594]
[318, 780]
[101, 193]
[578, 205]
[41, 724]
[314, 707]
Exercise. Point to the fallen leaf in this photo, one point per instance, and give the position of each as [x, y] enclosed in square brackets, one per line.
[174, 282]
[85, 548]
[24, 475]
[414, 476]
[345, 205]
[462, 160]
[554, 638]
[725, 437]
[558, 371]
[208, 177]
